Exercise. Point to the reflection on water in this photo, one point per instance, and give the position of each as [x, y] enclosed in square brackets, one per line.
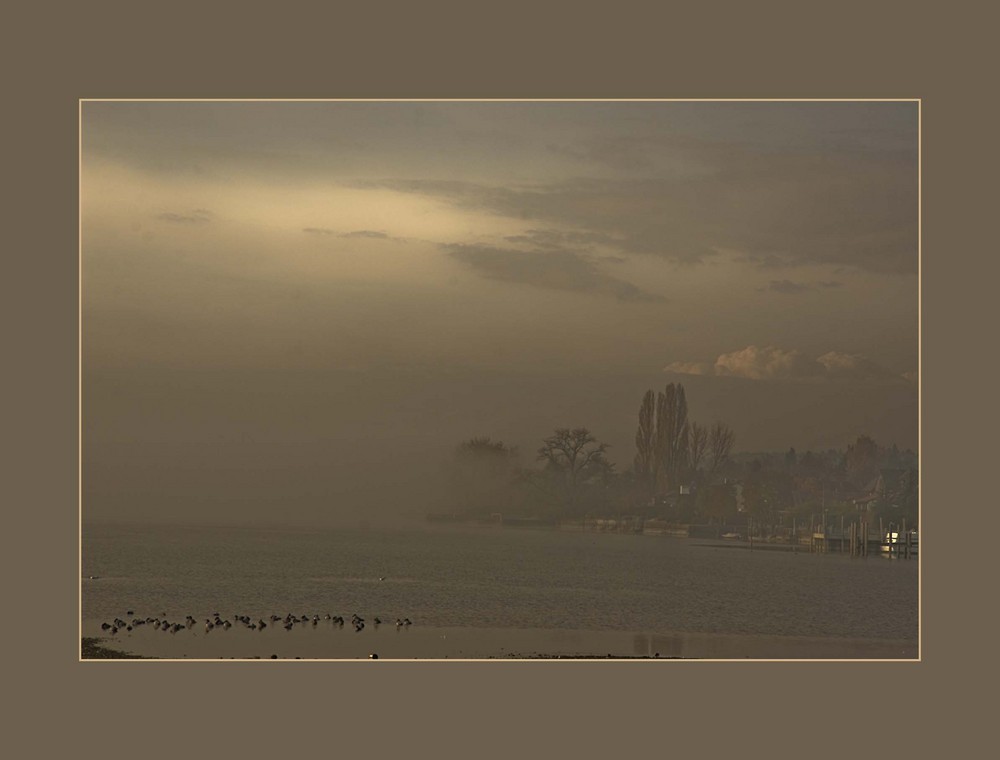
[500, 579]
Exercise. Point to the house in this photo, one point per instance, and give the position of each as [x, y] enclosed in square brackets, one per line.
[892, 490]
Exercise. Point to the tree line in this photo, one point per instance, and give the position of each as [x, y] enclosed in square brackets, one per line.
[682, 471]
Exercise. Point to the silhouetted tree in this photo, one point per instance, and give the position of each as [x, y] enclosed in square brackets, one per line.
[576, 458]
[672, 433]
[697, 446]
[720, 445]
[645, 463]
[791, 459]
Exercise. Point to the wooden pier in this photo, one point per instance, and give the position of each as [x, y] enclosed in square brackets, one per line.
[859, 539]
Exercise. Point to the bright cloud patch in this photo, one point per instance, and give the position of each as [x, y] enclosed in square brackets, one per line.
[765, 363]
[773, 363]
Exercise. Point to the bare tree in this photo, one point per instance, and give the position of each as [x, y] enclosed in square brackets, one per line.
[646, 464]
[577, 457]
[671, 433]
[720, 445]
[697, 446]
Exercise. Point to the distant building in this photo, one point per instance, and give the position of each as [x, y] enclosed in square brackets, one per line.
[890, 491]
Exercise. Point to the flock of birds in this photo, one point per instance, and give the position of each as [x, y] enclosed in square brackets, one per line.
[216, 621]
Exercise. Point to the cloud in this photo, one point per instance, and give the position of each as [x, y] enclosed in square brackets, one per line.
[366, 234]
[765, 363]
[355, 234]
[198, 216]
[786, 287]
[551, 269]
[690, 368]
[551, 238]
[790, 288]
[842, 205]
[853, 367]
[773, 363]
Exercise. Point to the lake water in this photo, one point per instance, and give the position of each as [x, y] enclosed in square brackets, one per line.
[491, 592]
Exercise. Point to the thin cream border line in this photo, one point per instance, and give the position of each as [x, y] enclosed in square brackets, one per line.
[502, 100]
[79, 370]
[920, 376]
[918, 101]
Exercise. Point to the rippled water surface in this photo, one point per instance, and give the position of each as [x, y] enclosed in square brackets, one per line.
[492, 578]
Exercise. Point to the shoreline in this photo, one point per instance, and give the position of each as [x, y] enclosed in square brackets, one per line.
[474, 644]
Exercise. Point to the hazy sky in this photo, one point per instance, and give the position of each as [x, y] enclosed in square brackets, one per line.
[294, 310]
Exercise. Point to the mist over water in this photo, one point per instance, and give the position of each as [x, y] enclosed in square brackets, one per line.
[334, 447]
